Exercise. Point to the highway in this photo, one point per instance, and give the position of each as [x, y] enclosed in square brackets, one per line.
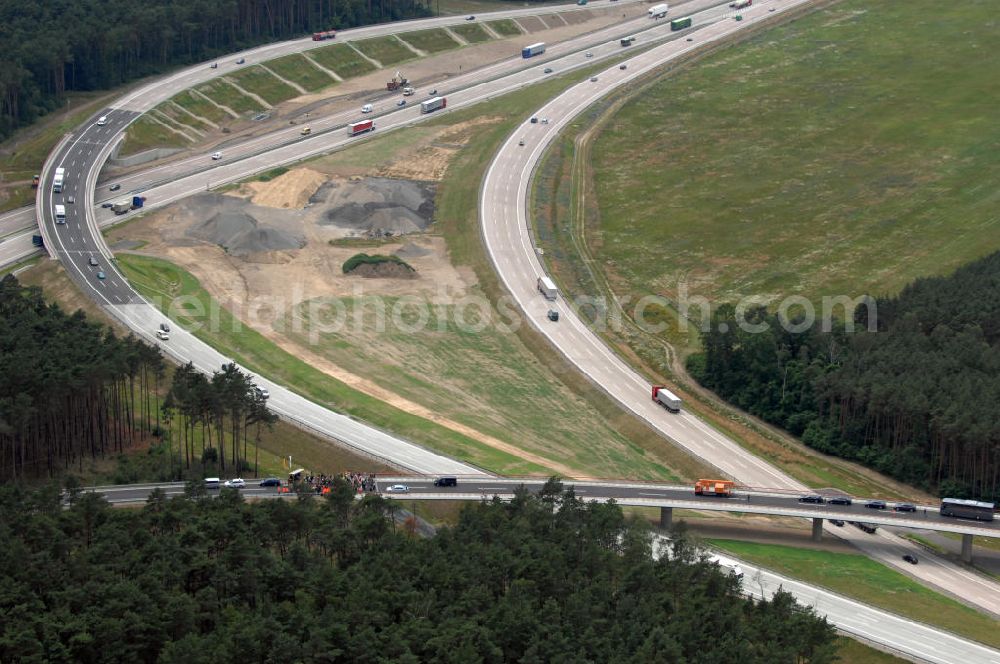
[902, 636]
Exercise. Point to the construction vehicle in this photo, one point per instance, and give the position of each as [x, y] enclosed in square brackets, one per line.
[721, 488]
[398, 81]
[666, 398]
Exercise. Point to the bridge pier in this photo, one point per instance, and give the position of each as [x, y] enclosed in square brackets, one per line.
[966, 548]
[666, 518]
[817, 530]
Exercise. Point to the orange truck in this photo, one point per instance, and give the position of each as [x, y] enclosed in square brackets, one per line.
[722, 488]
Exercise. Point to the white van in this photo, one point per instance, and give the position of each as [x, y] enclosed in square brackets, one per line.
[212, 482]
[367, 108]
[60, 214]
[101, 121]
[162, 336]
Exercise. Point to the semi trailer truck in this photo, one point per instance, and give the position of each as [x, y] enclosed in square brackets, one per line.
[433, 104]
[534, 49]
[547, 288]
[361, 127]
[59, 180]
[666, 398]
[721, 488]
[659, 11]
[680, 24]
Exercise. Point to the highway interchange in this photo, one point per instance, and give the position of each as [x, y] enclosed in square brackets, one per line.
[506, 232]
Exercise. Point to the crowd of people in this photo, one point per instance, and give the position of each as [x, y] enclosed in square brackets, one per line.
[321, 484]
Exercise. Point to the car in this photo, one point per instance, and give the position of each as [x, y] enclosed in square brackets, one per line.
[270, 481]
[235, 483]
[553, 315]
[401, 102]
[910, 558]
[875, 504]
[737, 572]
[263, 393]
[432, 92]
[92, 261]
[837, 522]
[162, 336]
[812, 498]
[593, 79]
[101, 121]
[839, 500]
[589, 54]
[114, 187]
[214, 65]
[101, 276]
[305, 131]
[164, 327]
[71, 200]
[547, 70]
[623, 67]
[545, 120]
[689, 39]
[398, 488]
[367, 108]
[241, 61]
[107, 204]
[905, 507]
[534, 120]
[521, 142]
[446, 481]
[470, 18]
[216, 156]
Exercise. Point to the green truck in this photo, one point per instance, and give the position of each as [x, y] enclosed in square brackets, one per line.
[680, 24]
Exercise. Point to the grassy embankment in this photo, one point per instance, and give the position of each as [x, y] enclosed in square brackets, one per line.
[298, 69]
[505, 27]
[703, 179]
[342, 60]
[264, 84]
[858, 577]
[472, 33]
[430, 41]
[386, 50]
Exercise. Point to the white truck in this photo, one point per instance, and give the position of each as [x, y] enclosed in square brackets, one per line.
[659, 11]
[122, 206]
[59, 180]
[547, 288]
[434, 104]
[60, 214]
[666, 398]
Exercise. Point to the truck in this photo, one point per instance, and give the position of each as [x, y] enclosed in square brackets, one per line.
[397, 82]
[740, 4]
[547, 288]
[360, 127]
[433, 104]
[721, 488]
[60, 214]
[680, 24]
[408, 91]
[37, 241]
[659, 11]
[34, 181]
[58, 180]
[324, 35]
[122, 206]
[666, 398]
[534, 49]
[627, 41]
[138, 202]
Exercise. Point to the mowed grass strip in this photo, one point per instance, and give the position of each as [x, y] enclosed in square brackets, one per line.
[505, 27]
[264, 84]
[386, 50]
[222, 93]
[299, 70]
[430, 41]
[342, 59]
[182, 119]
[146, 134]
[848, 152]
[201, 107]
[178, 293]
[863, 579]
[471, 32]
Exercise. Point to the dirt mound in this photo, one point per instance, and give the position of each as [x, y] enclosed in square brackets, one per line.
[254, 240]
[384, 270]
[223, 226]
[378, 207]
[411, 250]
[237, 231]
[292, 190]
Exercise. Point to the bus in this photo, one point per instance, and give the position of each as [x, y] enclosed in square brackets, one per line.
[967, 509]
[680, 24]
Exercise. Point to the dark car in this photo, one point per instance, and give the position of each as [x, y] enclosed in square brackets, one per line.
[875, 504]
[446, 481]
[401, 102]
[101, 276]
[905, 507]
[270, 481]
[553, 315]
[107, 204]
[241, 61]
[114, 187]
[910, 559]
[623, 67]
[548, 70]
[837, 522]
[812, 498]
[534, 120]
[164, 327]
[839, 500]
[470, 18]
[92, 261]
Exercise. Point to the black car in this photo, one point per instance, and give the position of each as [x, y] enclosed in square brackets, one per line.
[813, 498]
[114, 187]
[839, 500]
[446, 481]
[553, 315]
[270, 481]
[837, 522]
[107, 205]
[164, 327]
[910, 559]
[241, 61]
[875, 504]
[534, 120]
[905, 507]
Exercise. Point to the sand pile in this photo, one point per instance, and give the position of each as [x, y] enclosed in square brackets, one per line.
[292, 190]
[238, 232]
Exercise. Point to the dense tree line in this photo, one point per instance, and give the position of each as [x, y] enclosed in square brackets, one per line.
[69, 389]
[57, 46]
[541, 579]
[915, 398]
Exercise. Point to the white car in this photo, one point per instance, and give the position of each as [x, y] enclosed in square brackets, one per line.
[398, 488]
[216, 156]
[235, 483]
[367, 108]
[589, 54]
[101, 121]
[162, 336]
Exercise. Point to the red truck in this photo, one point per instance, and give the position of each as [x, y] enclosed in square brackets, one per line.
[323, 36]
[356, 128]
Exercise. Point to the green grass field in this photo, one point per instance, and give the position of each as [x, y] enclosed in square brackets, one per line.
[505, 27]
[387, 50]
[264, 84]
[342, 59]
[471, 32]
[201, 108]
[163, 282]
[181, 119]
[145, 134]
[430, 41]
[222, 93]
[848, 152]
[299, 70]
[865, 580]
